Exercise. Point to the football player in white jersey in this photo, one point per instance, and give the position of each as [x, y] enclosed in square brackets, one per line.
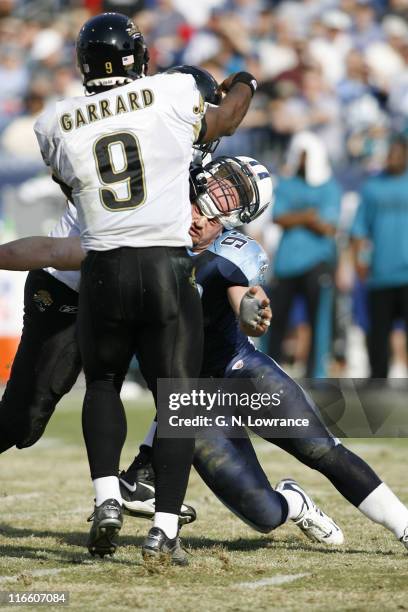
[123, 153]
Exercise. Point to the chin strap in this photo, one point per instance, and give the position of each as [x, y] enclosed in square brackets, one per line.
[108, 82]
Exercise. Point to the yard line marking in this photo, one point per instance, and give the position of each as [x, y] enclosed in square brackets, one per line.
[6, 498]
[273, 581]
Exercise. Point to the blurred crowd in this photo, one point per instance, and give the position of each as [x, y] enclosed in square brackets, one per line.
[335, 69]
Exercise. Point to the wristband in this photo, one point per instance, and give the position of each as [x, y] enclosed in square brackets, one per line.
[247, 79]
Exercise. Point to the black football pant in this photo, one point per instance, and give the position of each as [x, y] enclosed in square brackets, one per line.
[47, 362]
[316, 285]
[385, 306]
[137, 301]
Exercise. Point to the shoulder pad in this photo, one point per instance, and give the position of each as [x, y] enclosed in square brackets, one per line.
[47, 120]
[244, 252]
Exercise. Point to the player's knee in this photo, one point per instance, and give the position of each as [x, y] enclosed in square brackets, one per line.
[38, 416]
[333, 461]
[263, 510]
[311, 451]
[101, 384]
[106, 382]
[230, 469]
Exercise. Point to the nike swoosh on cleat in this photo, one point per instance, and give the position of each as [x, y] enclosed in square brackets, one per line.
[131, 488]
[149, 487]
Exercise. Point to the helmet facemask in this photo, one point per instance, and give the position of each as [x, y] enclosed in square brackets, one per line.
[227, 190]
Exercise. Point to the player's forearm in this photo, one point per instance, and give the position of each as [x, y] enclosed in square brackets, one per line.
[26, 253]
[234, 107]
[224, 120]
[37, 252]
[67, 253]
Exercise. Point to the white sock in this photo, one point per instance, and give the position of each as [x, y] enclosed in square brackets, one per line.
[168, 522]
[295, 503]
[148, 441]
[106, 488]
[383, 506]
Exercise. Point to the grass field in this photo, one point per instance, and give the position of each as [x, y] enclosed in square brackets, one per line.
[46, 496]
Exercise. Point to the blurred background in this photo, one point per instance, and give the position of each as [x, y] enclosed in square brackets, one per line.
[330, 120]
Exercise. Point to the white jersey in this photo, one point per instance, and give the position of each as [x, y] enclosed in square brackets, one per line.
[125, 154]
[66, 227]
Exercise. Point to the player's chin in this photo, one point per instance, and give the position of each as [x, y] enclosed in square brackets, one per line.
[195, 237]
[261, 330]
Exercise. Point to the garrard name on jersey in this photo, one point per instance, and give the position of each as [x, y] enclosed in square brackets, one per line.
[133, 101]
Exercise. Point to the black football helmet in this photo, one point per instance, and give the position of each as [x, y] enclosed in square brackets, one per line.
[210, 91]
[111, 51]
[207, 85]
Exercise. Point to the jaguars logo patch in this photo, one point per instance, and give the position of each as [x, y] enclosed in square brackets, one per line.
[42, 299]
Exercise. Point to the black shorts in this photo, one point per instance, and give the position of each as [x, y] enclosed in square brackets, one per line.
[47, 362]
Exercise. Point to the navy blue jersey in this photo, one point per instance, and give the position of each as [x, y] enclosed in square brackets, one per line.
[233, 259]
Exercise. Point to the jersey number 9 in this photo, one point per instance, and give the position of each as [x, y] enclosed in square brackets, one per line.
[120, 170]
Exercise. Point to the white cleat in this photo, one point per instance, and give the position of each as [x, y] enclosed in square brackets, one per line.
[314, 523]
[404, 539]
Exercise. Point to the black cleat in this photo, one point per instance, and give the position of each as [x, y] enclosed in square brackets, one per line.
[139, 501]
[158, 547]
[107, 522]
[137, 489]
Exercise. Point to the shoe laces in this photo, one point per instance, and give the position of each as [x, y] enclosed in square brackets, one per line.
[307, 520]
[405, 536]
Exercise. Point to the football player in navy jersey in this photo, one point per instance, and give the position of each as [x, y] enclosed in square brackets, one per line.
[225, 266]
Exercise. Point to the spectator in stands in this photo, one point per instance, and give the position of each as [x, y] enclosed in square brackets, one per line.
[366, 29]
[18, 139]
[315, 108]
[380, 231]
[14, 78]
[330, 48]
[307, 207]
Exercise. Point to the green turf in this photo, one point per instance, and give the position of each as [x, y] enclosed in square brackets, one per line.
[46, 496]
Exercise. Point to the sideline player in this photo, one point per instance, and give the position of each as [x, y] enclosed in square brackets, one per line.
[123, 153]
[229, 466]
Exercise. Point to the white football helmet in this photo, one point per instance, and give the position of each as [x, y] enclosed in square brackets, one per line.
[236, 190]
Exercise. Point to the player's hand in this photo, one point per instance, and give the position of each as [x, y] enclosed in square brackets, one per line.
[226, 84]
[255, 313]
